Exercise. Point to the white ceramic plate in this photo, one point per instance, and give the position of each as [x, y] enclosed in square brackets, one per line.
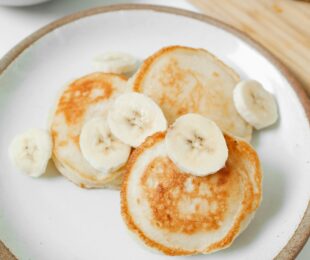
[50, 218]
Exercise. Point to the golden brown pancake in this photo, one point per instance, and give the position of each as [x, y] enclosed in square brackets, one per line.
[186, 80]
[83, 99]
[181, 214]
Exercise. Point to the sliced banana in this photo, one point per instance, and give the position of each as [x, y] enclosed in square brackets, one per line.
[31, 151]
[255, 104]
[101, 148]
[133, 117]
[116, 62]
[196, 145]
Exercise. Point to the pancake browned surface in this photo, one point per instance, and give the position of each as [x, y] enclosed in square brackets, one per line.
[186, 80]
[83, 99]
[180, 214]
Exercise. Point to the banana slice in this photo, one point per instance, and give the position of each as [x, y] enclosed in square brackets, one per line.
[101, 148]
[31, 151]
[133, 117]
[255, 104]
[116, 62]
[196, 145]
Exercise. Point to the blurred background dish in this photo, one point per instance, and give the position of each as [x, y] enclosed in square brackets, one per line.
[21, 2]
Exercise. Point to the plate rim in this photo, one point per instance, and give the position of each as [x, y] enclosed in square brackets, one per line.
[302, 232]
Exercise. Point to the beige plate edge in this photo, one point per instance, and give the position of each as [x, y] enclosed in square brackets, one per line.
[302, 233]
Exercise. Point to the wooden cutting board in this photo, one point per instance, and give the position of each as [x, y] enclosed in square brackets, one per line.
[282, 26]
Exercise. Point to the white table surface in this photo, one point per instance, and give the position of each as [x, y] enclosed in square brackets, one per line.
[18, 22]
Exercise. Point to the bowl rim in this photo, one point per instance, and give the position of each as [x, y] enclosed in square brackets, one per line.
[21, 2]
[302, 232]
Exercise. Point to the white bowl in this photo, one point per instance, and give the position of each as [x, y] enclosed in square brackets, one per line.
[21, 2]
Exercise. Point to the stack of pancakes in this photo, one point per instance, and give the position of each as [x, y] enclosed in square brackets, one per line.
[85, 98]
[171, 211]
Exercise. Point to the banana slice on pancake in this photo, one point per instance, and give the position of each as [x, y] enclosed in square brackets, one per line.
[133, 117]
[181, 214]
[101, 148]
[196, 145]
[185, 80]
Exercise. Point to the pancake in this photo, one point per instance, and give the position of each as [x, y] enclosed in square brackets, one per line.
[186, 80]
[83, 99]
[181, 214]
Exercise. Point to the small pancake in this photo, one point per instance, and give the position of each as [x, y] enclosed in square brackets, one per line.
[186, 80]
[83, 99]
[182, 214]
